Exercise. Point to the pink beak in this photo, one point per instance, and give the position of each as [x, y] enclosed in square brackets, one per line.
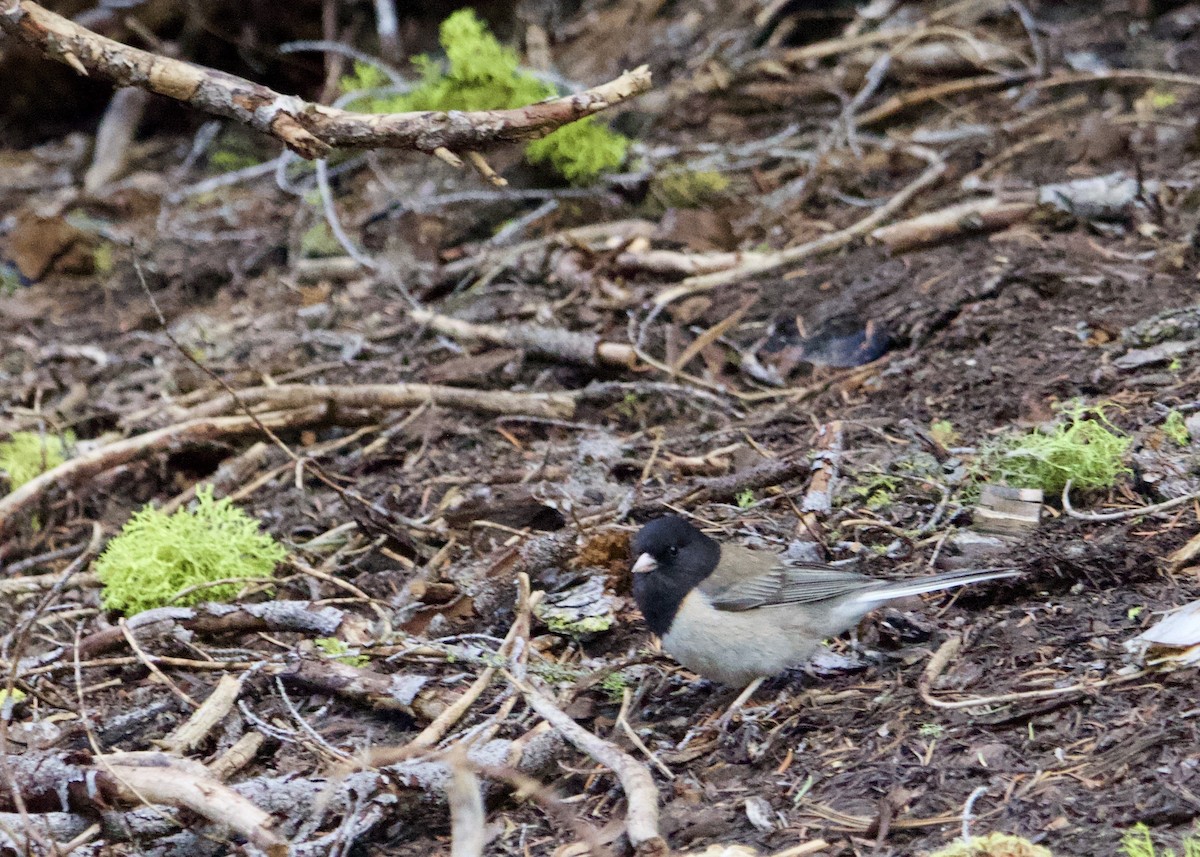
[645, 563]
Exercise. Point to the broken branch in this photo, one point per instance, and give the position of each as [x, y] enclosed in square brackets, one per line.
[286, 397]
[585, 348]
[311, 130]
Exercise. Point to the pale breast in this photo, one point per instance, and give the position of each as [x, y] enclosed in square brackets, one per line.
[736, 648]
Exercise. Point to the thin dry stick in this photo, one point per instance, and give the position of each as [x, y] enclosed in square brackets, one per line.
[623, 723]
[83, 467]
[158, 778]
[468, 824]
[942, 657]
[1118, 75]
[713, 334]
[641, 795]
[238, 756]
[972, 217]
[803, 850]
[906, 100]
[440, 725]
[375, 604]
[1124, 513]
[761, 263]
[391, 397]
[585, 348]
[968, 814]
[189, 735]
[150, 665]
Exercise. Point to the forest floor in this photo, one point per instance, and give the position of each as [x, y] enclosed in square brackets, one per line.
[873, 377]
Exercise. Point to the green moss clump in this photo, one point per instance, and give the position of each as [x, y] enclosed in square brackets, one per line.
[614, 685]
[876, 490]
[683, 188]
[579, 628]
[319, 242]
[1175, 428]
[580, 152]
[943, 432]
[102, 258]
[28, 454]
[236, 150]
[1085, 448]
[555, 673]
[993, 845]
[482, 74]
[340, 651]
[156, 556]
[1137, 842]
[10, 280]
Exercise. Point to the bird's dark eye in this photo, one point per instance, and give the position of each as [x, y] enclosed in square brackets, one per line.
[672, 551]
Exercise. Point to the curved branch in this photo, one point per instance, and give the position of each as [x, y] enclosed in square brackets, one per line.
[311, 130]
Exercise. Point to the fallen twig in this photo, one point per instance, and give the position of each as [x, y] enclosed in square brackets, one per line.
[585, 348]
[113, 137]
[965, 218]
[826, 465]
[192, 732]
[311, 130]
[390, 397]
[77, 470]
[468, 823]
[906, 100]
[761, 263]
[411, 694]
[518, 635]
[641, 795]
[1124, 514]
[945, 654]
[48, 782]
[238, 756]
[301, 616]
[774, 471]
[625, 726]
[54, 782]
[678, 263]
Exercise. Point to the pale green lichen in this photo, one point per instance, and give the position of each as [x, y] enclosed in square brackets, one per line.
[319, 242]
[157, 556]
[28, 454]
[340, 651]
[993, 845]
[554, 673]
[943, 432]
[1085, 448]
[1137, 842]
[1175, 428]
[578, 627]
[679, 187]
[614, 685]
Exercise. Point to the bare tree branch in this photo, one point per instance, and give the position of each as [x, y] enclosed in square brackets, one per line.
[311, 130]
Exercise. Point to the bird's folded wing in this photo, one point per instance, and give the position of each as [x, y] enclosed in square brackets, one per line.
[786, 583]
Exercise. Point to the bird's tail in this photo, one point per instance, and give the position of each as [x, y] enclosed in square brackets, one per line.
[933, 583]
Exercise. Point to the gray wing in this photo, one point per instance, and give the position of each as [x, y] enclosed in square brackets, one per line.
[790, 583]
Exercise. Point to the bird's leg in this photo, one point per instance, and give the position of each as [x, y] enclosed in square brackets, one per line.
[741, 700]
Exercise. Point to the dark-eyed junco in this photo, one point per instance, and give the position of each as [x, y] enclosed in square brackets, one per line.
[735, 615]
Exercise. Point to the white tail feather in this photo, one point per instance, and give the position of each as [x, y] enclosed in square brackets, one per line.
[949, 580]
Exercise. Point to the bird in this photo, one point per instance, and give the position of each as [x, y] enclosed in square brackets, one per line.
[736, 615]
